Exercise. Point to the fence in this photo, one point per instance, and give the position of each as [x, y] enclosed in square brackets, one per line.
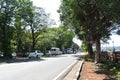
[110, 56]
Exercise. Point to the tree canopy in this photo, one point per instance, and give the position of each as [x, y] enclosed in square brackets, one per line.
[16, 16]
[24, 28]
[91, 19]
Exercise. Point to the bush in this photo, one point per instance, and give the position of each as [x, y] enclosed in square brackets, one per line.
[112, 68]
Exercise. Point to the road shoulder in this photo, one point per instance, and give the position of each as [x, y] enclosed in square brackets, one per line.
[75, 71]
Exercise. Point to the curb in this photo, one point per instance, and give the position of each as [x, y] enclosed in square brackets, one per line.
[77, 75]
[65, 72]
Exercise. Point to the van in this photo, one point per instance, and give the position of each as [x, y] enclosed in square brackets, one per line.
[55, 51]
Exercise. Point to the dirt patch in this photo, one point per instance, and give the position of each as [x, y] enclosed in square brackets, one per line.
[92, 72]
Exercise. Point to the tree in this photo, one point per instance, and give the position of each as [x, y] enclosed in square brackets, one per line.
[90, 16]
[15, 18]
[37, 20]
[22, 10]
[6, 28]
[64, 38]
[55, 37]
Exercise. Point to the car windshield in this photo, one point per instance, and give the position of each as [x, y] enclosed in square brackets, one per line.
[38, 51]
[32, 52]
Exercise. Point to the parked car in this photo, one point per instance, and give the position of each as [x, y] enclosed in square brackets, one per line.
[69, 50]
[25, 54]
[35, 54]
[55, 51]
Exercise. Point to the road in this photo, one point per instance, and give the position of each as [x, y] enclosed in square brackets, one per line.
[45, 69]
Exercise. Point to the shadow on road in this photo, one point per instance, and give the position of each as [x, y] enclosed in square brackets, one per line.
[55, 56]
[19, 60]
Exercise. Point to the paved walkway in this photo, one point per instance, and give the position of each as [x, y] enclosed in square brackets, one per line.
[72, 74]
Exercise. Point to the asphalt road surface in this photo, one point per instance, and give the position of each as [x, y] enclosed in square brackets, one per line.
[45, 69]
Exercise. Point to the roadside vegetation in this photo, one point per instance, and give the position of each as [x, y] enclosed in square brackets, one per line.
[25, 27]
[112, 69]
[93, 22]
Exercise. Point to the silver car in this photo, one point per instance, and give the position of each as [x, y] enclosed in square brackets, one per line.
[35, 54]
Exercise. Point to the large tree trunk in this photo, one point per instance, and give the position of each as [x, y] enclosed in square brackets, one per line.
[98, 50]
[33, 39]
[19, 47]
[6, 48]
[90, 49]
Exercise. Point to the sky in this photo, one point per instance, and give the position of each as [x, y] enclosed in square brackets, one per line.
[115, 41]
[51, 6]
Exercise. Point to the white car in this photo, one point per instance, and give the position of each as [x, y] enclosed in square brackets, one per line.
[35, 54]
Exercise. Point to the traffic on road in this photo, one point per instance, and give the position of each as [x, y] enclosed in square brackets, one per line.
[47, 68]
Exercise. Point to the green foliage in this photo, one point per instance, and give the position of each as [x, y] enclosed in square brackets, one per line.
[64, 37]
[113, 68]
[92, 20]
[118, 74]
[6, 27]
[21, 23]
[38, 22]
[84, 47]
[88, 17]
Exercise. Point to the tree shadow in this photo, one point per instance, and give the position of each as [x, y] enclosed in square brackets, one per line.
[26, 59]
[108, 73]
[20, 60]
[55, 56]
